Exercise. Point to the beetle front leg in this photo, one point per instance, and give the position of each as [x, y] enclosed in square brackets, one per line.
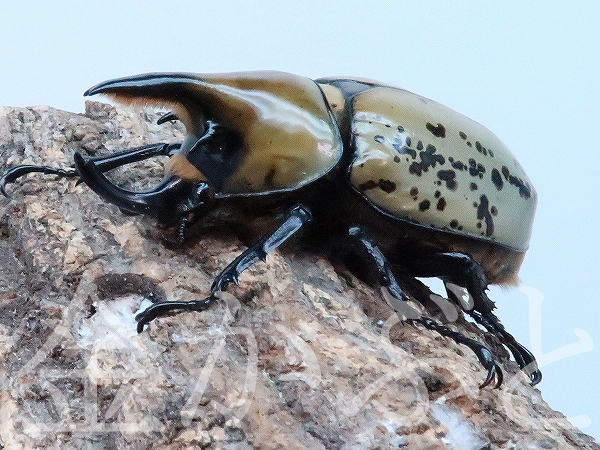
[295, 219]
[14, 173]
[109, 162]
[384, 274]
[102, 163]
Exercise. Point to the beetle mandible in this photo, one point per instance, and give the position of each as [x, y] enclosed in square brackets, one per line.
[391, 183]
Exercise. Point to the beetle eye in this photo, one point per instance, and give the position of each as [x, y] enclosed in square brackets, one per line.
[215, 155]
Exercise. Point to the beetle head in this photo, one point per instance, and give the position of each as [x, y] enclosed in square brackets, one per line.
[170, 201]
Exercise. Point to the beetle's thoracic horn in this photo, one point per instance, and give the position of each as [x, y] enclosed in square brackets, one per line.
[194, 96]
[236, 98]
[172, 90]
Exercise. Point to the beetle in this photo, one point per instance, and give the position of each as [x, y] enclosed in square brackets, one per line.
[390, 183]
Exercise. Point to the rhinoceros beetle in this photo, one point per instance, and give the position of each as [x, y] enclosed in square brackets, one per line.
[391, 183]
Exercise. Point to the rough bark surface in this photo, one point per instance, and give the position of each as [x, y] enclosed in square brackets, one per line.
[295, 357]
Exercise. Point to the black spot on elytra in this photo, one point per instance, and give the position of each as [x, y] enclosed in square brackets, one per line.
[449, 176]
[437, 130]
[454, 223]
[441, 204]
[462, 135]
[497, 179]
[368, 185]
[424, 205]
[414, 191]
[476, 169]
[480, 148]
[524, 188]
[458, 165]
[379, 138]
[429, 158]
[483, 213]
[385, 185]
[473, 186]
[402, 144]
[405, 150]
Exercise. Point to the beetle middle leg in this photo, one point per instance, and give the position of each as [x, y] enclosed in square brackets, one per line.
[460, 270]
[400, 301]
[295, 219]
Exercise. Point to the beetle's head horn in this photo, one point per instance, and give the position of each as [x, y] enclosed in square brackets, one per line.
[171, 200]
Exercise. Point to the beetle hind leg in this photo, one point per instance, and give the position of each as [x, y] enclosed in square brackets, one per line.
[460, 270]
[524, 358]
[483, 354]
[400, 301]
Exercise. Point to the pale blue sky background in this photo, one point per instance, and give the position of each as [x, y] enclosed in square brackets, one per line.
[529, 71]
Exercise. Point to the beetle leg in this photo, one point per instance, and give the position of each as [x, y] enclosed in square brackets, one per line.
[103, 163]
[386, 278]
[181, 229]
[481, 351]
[109, 162]
[11, 175]
[524, 358]
[460, 269]
[382, 272]
[296, 218]
[495, 327]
